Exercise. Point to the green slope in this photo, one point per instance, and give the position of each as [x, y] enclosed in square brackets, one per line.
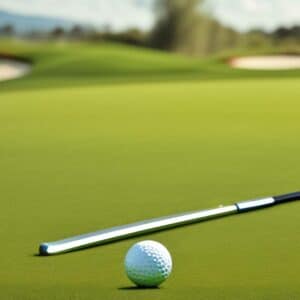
[61, 64]
[72, 64]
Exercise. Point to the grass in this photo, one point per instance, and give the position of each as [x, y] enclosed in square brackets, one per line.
[97, 155]
[69, 64]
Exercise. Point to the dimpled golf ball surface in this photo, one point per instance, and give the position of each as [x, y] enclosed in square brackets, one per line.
[148, 264]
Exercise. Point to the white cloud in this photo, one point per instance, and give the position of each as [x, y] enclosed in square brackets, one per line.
[119, 14]
[268, 14]
[251, 5]
[116, 13]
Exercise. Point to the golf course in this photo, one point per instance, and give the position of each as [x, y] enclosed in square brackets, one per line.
[101, 135]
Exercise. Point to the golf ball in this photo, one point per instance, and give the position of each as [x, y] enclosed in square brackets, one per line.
[148, 264]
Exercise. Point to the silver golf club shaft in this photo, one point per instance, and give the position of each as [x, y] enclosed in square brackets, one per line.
[148, 226]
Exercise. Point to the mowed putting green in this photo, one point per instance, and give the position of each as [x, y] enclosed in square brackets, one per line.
[82, 157]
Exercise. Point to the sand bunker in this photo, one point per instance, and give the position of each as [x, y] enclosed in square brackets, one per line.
[11, 69]
[276, 62]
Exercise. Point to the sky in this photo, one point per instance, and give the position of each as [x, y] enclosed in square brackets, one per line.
[120, 14]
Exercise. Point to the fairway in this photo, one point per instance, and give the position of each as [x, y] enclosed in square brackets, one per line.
[80, 157]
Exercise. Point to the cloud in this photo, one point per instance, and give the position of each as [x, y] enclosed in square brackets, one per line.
[120, 14]
[247, 14]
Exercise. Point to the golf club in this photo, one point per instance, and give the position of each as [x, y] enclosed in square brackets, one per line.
[147, 226]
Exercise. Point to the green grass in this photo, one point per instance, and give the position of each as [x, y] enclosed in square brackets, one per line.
[78, 159]
[66, 64]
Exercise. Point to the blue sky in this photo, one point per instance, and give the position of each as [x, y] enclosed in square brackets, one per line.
[120, 14]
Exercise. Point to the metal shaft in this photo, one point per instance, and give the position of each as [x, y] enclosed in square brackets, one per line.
[148, 226]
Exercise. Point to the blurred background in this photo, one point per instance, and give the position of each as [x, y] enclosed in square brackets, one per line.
[191, 27]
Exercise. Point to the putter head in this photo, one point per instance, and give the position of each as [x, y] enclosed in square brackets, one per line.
[44, 249]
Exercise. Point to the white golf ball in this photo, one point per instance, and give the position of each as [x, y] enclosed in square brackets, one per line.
[148, 264]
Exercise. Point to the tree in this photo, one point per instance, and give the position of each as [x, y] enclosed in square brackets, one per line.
[185, 26]
[176, 26]
[77, 32]
[57, 32]
[7, 30]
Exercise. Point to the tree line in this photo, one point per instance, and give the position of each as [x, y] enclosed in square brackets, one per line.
[181, 26]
